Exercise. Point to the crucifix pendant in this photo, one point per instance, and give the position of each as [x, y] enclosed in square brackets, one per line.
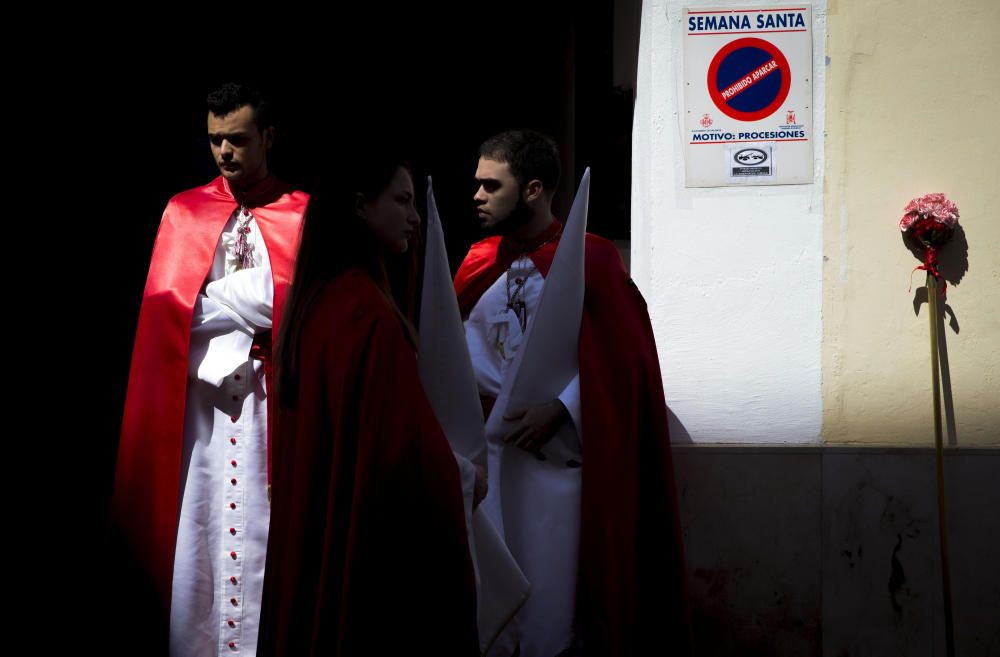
[521, 311]
[244, 249]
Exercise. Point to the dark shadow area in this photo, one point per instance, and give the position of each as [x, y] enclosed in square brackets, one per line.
[919, 299]
[953, 260]
[679, 435]
[442, 83]
[130, 132]
[953, 263]
[946, 395]
[953, 257]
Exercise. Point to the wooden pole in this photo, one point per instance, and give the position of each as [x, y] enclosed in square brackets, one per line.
[949, 630]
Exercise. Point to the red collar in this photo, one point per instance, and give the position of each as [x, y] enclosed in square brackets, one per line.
[262, 192]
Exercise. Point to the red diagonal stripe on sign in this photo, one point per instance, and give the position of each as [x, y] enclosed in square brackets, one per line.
[750, 80]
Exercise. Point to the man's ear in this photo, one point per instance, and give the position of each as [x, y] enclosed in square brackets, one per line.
[268, 134]
[533, 191]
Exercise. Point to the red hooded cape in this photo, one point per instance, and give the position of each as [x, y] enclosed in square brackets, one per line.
[145, 502]
[367, 552]
[631, 586]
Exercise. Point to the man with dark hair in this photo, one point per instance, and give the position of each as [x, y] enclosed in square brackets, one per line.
[597, 537]
[190, 509]
[231, 96]
[529, 154]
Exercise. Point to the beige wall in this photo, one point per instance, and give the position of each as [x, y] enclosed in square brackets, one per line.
[913, 99]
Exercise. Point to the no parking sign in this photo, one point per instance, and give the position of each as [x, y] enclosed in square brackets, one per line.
[749, 79]
[748, 96]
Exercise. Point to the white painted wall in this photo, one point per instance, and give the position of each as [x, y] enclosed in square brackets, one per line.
[733, 276]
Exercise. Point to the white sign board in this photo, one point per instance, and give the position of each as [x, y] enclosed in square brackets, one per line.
[748, 96]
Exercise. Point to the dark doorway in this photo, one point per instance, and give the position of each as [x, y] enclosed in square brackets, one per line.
[445, 80]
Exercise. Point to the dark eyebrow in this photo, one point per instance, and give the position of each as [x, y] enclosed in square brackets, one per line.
[482, 181]
[227, 135]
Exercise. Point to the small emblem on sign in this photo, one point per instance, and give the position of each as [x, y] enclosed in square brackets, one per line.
[790, 117]
[706, 121]
[753, 162]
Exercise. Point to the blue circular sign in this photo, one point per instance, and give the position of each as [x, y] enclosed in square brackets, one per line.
[749, 79]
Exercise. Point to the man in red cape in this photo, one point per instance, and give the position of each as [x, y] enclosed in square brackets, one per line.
[610, 581]
[189, 512]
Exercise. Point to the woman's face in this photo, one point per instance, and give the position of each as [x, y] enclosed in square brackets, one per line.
[391, 215]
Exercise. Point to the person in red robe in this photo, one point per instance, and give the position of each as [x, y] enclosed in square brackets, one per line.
[368, 552]
[600, 538]
[189, 513]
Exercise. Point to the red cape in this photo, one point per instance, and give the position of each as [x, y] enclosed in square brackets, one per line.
[631, 588]
[367, 553]
[145, 502]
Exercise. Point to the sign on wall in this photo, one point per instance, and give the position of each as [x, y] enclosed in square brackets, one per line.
[748, 96]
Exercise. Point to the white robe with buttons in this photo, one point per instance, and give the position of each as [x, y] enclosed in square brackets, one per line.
[222, 528]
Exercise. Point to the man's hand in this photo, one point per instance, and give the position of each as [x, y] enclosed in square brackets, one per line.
[534, 426]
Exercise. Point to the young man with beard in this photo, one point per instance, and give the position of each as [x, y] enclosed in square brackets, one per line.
[596, 534]
[189, 517]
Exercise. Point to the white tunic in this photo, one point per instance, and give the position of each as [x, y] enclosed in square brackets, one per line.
[545, 504]
[224, 513]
